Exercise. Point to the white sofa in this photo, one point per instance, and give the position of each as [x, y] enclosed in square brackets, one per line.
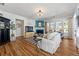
[51, 44]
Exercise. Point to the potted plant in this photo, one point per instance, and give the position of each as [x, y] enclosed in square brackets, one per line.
[12, 27]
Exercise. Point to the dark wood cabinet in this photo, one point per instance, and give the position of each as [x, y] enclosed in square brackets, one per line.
[4, 30]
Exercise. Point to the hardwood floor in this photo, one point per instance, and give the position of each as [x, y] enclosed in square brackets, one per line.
[22, 47]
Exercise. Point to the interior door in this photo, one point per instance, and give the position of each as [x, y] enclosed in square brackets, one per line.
[7, 31]
[19, 27]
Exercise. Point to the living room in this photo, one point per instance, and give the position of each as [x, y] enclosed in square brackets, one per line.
[45, 28]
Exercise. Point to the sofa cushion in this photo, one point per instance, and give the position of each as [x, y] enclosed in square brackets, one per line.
[50, 36]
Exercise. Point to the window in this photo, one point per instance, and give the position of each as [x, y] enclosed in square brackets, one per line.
[58, 26]
[66, 26]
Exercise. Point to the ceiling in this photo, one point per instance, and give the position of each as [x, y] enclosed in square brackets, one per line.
[51, 10]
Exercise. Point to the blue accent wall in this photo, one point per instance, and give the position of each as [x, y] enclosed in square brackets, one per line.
[37, 24]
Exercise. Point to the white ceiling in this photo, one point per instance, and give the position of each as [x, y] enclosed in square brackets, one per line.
[51, 9]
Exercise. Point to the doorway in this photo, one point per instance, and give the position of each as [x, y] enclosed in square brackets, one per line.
[19, 28]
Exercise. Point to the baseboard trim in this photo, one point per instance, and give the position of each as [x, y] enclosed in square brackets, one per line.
[19, 37]
[68, 38]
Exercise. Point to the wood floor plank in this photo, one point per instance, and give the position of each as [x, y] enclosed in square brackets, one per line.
[22, 47]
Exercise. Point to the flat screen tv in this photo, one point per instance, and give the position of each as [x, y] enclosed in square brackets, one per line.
[39, 31]
[29, 28]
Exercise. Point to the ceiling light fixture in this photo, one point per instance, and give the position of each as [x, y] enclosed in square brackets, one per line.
[39, 12]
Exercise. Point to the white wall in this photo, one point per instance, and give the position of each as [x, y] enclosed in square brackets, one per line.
[13, 17]
[74, 25]
[74, 21]
[30, 23]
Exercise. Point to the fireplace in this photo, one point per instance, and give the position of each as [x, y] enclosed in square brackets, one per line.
[40, 31]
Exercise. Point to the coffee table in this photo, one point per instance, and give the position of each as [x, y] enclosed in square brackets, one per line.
[37, 39]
